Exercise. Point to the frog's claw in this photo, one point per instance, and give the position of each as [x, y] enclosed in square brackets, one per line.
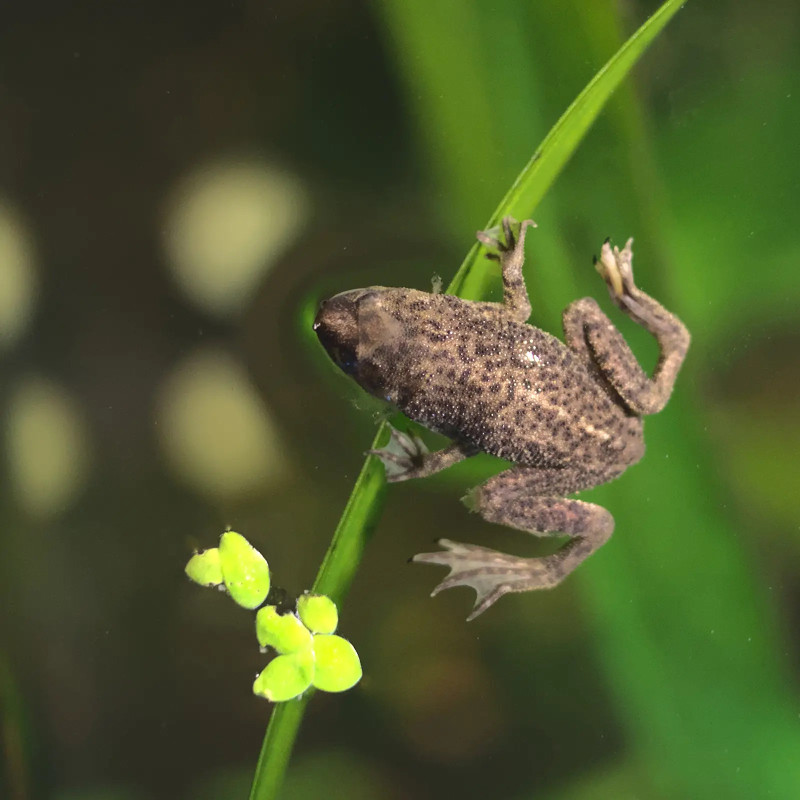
[498, 247]
[402, 455]
[616, 269]
[490, 573]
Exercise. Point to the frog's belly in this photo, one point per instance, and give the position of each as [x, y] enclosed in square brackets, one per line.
[544, 423]
[516, 392]
[546, 434]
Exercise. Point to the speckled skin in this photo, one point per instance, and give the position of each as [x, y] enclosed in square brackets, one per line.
[568, 416]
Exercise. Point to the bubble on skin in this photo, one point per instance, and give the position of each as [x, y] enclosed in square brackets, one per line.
[47, 445]
[215, 431]
[18, 282]
[226, 224]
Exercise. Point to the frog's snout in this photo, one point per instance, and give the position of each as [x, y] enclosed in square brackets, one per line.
[336, 326]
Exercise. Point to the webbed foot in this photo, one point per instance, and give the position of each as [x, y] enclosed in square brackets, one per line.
[402, 456]
[510, 498]
[490, 573]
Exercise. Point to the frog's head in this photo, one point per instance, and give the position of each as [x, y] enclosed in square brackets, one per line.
[339, 324]
[360, 329]
[336, 325]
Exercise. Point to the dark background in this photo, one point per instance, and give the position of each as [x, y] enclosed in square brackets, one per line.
[180, 183]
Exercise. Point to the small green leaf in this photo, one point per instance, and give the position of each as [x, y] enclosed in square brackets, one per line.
[244, 569]
[204, 568]
[284, 632]
[285, 677]
[338, 667]
[318, 612]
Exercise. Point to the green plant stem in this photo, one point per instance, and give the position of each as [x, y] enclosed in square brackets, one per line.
[276, 749]
[333, 579]
[366, 500]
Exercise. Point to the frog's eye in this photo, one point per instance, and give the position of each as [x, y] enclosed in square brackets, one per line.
[345, 359]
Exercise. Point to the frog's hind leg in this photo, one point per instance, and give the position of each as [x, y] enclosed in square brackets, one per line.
[590, 333]
[531, 500]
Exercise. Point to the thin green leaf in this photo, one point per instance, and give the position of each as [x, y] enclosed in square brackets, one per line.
[333, 579]
[564, 137]
[363, 508]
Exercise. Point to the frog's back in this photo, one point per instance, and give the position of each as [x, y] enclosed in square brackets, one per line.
[471, 372]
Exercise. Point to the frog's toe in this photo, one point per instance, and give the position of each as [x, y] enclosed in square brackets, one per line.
[616, 268]
[498, 246]
[402, 455]
[490, 573]
[627, 255]
[491, 240]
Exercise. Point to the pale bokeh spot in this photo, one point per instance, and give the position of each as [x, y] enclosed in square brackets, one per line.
[214, 429]
[47, 447]
[18, 284]
[226, 224]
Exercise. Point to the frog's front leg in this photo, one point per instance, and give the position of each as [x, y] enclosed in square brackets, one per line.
[405, 456]
[590, 333]
[511, 255]
[527, 499]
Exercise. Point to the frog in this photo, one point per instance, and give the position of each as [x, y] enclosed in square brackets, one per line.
[567, 416]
